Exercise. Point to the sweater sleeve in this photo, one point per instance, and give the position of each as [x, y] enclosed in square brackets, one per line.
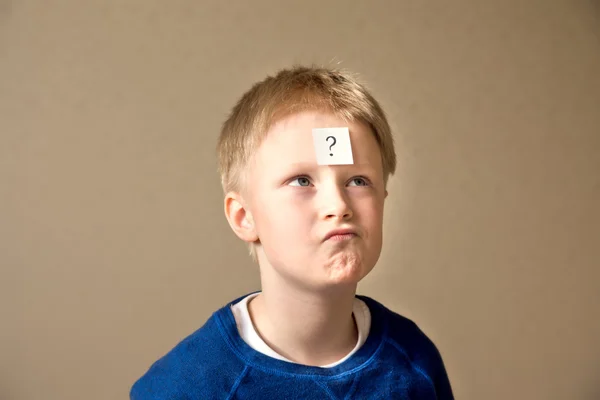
[157, 384]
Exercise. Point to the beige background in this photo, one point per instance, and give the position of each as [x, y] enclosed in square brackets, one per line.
[113, 245]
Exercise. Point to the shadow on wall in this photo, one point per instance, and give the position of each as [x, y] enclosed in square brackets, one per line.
[593, 389]
[5, 394]
[595, 9]
[595, 393]
[5, 9]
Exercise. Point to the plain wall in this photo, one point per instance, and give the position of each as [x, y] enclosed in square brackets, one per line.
[113, 243]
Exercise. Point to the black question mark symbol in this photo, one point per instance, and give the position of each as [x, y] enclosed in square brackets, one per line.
[330, 146]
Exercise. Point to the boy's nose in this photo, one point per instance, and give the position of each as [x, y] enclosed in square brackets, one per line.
[335, 205]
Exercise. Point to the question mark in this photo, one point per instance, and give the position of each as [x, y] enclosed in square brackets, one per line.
[330, 146]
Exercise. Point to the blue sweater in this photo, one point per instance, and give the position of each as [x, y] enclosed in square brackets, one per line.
[397, 361]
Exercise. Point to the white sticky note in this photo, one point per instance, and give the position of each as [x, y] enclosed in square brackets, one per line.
[332, 146]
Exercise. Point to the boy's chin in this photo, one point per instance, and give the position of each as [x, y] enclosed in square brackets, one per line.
[345, 267]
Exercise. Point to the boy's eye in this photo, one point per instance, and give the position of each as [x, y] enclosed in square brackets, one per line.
[305, 181]
[302, 181]
[359, 181]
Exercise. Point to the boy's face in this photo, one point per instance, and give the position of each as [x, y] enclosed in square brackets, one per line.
[295, 203]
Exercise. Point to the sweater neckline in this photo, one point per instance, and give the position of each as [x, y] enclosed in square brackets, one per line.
[359, 360]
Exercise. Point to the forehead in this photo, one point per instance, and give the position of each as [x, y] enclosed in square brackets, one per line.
[290, 140]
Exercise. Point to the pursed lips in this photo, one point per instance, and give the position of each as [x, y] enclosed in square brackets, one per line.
[345, 236]
[341, 234]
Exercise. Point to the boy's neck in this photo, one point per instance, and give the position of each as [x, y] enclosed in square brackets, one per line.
[308, 328]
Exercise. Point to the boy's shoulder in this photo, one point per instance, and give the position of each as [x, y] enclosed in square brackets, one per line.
[190, 364]
[398, 327]
[409, 340]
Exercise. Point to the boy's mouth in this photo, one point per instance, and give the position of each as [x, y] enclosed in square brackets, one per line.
[346, 236]
[340, 234]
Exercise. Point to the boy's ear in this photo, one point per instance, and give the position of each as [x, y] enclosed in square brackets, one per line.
[239, 217]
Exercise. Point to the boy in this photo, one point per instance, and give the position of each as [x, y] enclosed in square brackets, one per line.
[315, 229]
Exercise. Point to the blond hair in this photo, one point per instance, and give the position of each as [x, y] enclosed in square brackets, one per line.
[291, 91]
